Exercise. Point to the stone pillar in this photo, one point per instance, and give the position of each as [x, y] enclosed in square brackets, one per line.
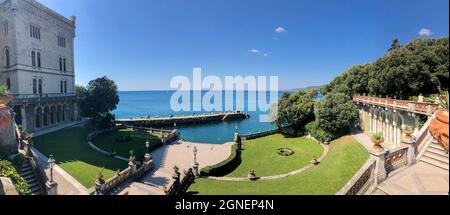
[195, 167]
[370, 123]
[51, 188]
[23, 114]
[380, 168]
[411, 155]
[416, 124]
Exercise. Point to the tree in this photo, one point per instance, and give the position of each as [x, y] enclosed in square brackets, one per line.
[296, 109]
[100, 98]
[336, 113]
[395, 45]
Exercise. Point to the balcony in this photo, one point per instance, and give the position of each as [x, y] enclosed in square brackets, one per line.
[21, 99]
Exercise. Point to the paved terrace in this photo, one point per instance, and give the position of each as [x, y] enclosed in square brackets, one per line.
[179, 154]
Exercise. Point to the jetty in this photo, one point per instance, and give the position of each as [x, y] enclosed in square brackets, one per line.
[184, 119]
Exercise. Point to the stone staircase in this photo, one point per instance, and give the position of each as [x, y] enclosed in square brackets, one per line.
[436, 156]
[27, 173]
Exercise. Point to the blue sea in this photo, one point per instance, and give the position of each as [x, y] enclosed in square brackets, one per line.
[157, 103]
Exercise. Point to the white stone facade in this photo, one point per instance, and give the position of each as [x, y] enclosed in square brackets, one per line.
[37, 63]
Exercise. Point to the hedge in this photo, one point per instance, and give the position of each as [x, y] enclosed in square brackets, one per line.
[7, 169]
[318, 133]
[225, 167]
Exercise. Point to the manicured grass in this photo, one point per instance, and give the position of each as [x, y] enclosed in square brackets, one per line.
[262, 155]
[108, 142]
[345, 158]
[75, 156]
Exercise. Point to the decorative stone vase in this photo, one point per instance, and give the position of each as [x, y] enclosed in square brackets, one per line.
[5, 115]
[377, 144]
[439, 128]
[408, 134]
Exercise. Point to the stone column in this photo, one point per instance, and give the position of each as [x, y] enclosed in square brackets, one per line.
[23, 113]
[411, 155]
[51, 188]
[416, 124]
[380, 168]
[370, 123]
[395, 133]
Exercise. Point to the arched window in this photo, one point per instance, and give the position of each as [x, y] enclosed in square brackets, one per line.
[38, 117]
[40, 86]
[33, 58]
[46, 116]
[34, 86]
[39, 60]
[58, 115]
[8, 83]
[61, 85]
[65, 86]
[7, 58]
[53, 115]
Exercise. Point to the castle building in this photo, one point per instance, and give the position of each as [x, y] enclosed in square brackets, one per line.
[37, 63]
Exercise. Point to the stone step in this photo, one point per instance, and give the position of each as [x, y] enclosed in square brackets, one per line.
[28, 177]
[440, 152]
[437, 157]
[25, 169]
[434, 162]
[26, 164]
[436, 146]
[31, 180]
[36, 189]
[26, 173]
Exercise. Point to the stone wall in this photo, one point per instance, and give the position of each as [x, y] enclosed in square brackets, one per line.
[8, 139]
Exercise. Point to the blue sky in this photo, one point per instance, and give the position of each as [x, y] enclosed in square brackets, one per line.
[142, 44]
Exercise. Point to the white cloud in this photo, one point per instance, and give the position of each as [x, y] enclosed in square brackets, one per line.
[255, 51]
[425, 32]
[280, 30]
[265, 54]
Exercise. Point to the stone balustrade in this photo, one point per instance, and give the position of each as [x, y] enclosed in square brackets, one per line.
[130, 173]
[362, 181]
[410, 106]
[180, 182]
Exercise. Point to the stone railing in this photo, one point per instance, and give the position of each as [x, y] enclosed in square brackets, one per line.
[259, 134]
[180, 183]
[396, 159]
[38, 170]
[421, 136]
[129, 173]
[167, 136]
[410, 106]
[362, 181]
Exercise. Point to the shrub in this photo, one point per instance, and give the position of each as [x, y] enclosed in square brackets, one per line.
[225, 167]
[3, 90]
[318, 133]
[377, 136]
[8, 170]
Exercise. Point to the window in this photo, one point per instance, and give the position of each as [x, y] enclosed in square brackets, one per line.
[64, 60]
[34, 86]
[35, 32]
[5, 29]
[40, 86]
[8, 83]
[61, 41]
[65, 86]
[61, 85]
[39, 59]
[33, 58]
[7, 58]
[60, 64]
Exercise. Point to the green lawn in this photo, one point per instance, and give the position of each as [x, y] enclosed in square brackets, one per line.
[107, 141]
[75, 156]
[345, 158]
[261, 155]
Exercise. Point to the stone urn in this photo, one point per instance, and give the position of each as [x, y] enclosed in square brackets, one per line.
[377, 140]
[439, 128]
[251, 175]
[5, 115]
[408, 131]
